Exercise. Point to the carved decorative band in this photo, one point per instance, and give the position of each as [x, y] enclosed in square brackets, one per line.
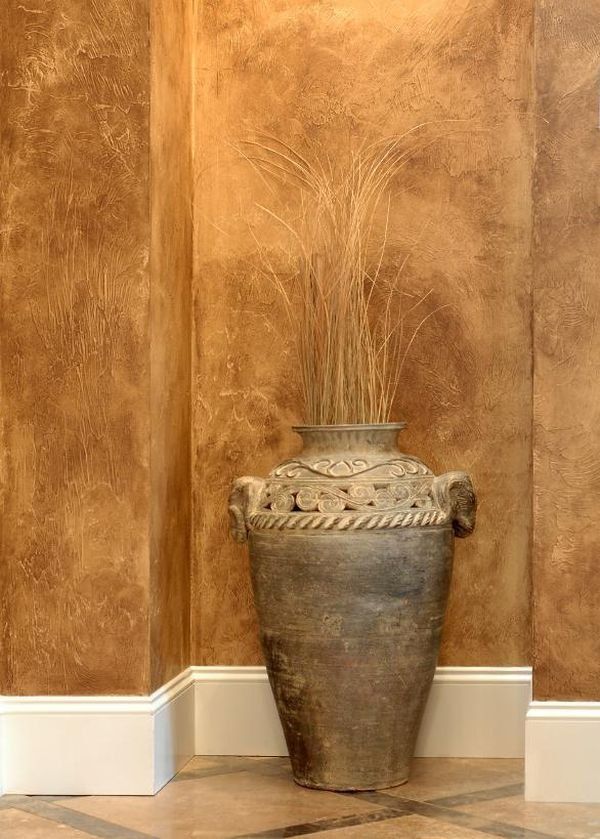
[330, 498]
[448, 499]
[331, 468]
[373, 521]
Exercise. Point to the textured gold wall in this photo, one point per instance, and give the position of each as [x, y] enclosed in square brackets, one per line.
[75, 375]
[95, 257]
[336, 72]
[170, 337]
[95, 250]
[567, 353]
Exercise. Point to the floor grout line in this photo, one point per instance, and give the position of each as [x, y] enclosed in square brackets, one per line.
[450, 816]
[489, 794]
[91, 825]
[326, 824]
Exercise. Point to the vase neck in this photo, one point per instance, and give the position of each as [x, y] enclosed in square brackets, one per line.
[368, 439]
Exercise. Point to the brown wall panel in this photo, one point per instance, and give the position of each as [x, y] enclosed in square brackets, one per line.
[74, 233]
[170, 342]
[331, 74]
[567, 353]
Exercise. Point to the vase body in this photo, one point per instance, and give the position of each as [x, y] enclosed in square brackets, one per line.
[351, 548]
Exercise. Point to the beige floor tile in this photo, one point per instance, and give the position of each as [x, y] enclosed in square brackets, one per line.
[220, 806]
[409, 827]
[262, 759]
[15, 824]
[203, 767]
[199, 763]
[438, 777]
[569, 821]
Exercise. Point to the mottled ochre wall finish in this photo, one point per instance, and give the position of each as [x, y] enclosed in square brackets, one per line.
[567, 353]
[338, 71]
[74, 91]
[170, 341]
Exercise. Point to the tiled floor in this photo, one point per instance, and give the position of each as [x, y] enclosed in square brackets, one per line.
[256, 797]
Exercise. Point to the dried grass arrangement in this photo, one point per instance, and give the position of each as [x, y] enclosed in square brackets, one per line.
[350, 319]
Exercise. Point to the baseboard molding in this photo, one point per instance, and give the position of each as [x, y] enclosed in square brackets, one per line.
[133, 745]
[562, 752]
[236, 713]
[476, 712]
[471, 712]
[97, 745]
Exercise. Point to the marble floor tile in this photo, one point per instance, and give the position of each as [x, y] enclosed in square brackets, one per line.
[199, 763]
[433, 778]
[220, 806]
[453, 816]
[408, 827]
[567, 821]
[201, 767]
[263, 759]
[256, 798]
[15, 824]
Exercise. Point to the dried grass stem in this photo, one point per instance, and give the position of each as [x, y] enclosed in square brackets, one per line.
[349, 320]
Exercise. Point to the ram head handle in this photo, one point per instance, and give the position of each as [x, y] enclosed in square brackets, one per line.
[454, 493]
[245, 497]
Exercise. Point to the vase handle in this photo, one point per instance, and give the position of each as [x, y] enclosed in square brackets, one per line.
[454, 493]
[245, 497]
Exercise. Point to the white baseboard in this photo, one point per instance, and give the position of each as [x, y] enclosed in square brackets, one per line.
[236, 713]
[471, 712]
[476, 712]
[2, 753]
[174, 726]
[111, 745]
[562, 752]
[97, 745]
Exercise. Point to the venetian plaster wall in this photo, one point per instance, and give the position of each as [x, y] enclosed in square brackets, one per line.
[75, 375]
[170, 340]
[335, 72]
[567, 353]
[98, 422]
[95, 426]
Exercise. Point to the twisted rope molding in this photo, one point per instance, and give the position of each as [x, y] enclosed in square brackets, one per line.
[344, 521]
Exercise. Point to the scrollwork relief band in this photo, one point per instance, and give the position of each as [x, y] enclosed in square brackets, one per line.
[351, 468]
[256, 504]
[335, 497]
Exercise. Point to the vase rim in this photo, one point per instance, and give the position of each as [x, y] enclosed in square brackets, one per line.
[359, 426]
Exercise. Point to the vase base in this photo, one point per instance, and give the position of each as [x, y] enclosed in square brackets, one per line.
[350, 787]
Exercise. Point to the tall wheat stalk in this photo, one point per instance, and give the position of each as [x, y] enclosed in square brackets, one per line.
[348, 318]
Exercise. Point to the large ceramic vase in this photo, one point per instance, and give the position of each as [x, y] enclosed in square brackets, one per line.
[351, 547]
